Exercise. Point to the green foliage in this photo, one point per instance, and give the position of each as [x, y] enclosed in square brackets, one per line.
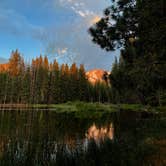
[42, 82]
[138, 28]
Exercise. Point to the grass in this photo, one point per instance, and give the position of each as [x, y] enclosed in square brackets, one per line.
[97, 110]
[79, 109]
[91, 109]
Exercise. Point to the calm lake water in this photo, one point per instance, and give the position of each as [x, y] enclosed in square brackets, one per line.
[41, 138]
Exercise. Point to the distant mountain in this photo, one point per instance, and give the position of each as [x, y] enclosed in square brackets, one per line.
[3, 60]
[98, 75]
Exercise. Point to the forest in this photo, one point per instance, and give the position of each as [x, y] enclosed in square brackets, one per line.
[138, 76]
[138, 29]
[43, 82]
[50, 112]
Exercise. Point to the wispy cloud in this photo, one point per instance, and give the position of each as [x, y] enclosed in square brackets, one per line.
[77, 40]
[66, 39]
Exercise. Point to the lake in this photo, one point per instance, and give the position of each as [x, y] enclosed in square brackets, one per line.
[47, 138]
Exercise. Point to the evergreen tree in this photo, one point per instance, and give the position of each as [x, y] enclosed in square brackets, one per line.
[25, 89]
[74, 81]
[44, 82]
[16, 63]
[83, 83]
[137, 27]
[55, 83]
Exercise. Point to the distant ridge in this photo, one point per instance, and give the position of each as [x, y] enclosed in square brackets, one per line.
[3, 60]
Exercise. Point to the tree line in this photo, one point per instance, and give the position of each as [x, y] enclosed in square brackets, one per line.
[44, 82]
[137, 28]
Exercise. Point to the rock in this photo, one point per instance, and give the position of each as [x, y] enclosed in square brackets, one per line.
[98, 75]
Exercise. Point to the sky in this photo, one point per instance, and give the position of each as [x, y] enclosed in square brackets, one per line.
[56, 28]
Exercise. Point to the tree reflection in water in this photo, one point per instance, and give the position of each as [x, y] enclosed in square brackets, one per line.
[40, 139]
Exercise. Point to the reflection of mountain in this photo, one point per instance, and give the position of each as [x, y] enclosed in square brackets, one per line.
[68, 142]
[41, 131]
[101, 133]
[47, 138]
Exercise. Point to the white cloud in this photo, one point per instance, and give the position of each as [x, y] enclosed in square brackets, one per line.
[75, 38]
[69, 40]
[81, 13]
[86, 7]
[62, 51]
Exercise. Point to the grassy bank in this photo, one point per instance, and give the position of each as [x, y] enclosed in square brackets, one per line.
[98, 107]
[83, 109]
[85, 106]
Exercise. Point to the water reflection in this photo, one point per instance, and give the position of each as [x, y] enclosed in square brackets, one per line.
[100, 133]
[47, 139]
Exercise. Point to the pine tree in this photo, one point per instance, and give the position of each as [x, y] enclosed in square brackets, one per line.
[16, 63]
[137, 27]
[74, 82]
[83, 83]
[25, 89]
[55, 83]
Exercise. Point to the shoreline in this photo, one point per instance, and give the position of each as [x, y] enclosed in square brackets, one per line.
[86, 106]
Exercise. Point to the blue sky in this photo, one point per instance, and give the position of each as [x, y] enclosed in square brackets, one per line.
[57, 28]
